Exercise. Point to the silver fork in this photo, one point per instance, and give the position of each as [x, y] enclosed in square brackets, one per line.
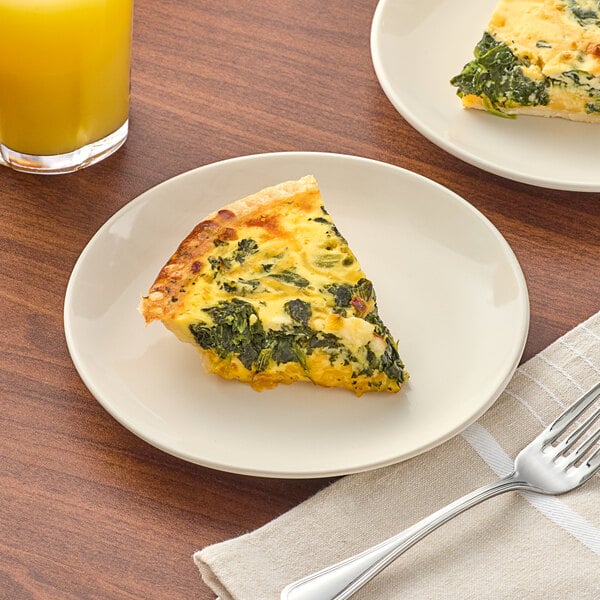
[548, 465]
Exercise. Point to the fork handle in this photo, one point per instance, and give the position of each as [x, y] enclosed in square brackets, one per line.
[342, 580]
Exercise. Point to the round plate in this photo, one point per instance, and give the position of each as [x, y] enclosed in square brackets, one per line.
[417, 47]
[448, 285]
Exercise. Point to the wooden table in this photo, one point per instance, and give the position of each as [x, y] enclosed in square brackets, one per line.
[88, 510]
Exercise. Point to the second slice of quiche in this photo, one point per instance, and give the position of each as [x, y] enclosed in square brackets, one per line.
[269, 292]
[537, 57]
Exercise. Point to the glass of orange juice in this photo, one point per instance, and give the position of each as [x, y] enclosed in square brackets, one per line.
[64, 82]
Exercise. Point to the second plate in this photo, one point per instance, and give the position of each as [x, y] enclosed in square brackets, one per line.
[418, 46]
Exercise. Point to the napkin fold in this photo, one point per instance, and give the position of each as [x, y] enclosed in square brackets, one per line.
[517, 545]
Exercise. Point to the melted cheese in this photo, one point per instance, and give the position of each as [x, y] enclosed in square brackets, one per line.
[547, 33]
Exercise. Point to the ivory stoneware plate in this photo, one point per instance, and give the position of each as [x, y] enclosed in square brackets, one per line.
[448, 284]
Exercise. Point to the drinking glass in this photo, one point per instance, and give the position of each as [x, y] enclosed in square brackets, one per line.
[64, 82]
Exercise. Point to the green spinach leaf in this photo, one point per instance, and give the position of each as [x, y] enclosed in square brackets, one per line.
[496, 76]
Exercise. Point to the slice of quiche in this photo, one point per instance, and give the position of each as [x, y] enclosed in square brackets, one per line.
[537, 57]
[269, 292]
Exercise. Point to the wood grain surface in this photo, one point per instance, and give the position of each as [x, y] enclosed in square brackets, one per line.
[88, 510]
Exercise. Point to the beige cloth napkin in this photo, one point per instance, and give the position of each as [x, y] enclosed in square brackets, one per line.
[517, 545]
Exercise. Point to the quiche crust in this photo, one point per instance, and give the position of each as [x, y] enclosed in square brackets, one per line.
[471, 101]
[269, 292]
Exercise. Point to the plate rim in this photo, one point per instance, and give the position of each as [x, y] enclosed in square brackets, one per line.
[439, 140]
[295, 473]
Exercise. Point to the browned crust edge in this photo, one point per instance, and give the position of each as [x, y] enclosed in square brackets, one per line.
[186, 261]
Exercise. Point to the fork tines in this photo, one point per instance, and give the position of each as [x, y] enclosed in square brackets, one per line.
[566, 420]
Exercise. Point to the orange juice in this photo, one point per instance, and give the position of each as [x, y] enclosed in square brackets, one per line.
[64, 72]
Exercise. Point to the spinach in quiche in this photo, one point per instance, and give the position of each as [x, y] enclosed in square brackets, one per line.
[496, 76]
[586, 82]
[236, 330]
[585, 15]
